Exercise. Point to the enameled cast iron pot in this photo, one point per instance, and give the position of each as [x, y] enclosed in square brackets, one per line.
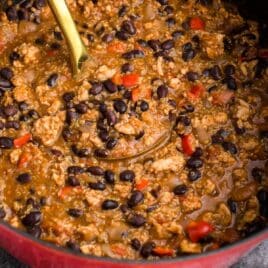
[40, 254]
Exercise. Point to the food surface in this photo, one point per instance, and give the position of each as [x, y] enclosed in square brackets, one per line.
[196, 67]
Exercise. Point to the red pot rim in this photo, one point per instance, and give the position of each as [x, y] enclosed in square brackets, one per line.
[66, 251]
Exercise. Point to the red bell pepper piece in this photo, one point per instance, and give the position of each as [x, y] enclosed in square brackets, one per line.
[142, 184]
[163, 251]
[19, 142]
[196, 92]
[197, 23]
[130, 80]
[199, 230]
[187, 144]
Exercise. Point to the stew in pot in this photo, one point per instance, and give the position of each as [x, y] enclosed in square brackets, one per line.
[194, 66]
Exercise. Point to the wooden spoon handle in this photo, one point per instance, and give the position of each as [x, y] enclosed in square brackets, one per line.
[76, 46]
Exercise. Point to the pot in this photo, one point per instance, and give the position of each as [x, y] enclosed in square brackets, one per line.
[42, 254]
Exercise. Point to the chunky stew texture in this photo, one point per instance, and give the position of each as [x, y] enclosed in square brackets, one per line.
[195, 67]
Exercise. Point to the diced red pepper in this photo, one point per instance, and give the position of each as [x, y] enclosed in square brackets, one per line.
[23, 160]
[187, 144]
[19, 142]
[66, 190]
[142, 184]
[130, 80]
[197, 23]
[116, 47]
[163, 251]
[52, 53]
[118, 250]
[222, 97]
[196, 92]
[138, 94]
[199, 230]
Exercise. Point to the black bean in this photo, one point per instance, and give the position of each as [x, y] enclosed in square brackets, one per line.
[177, 34]
[75, 170]
[68, 96]
[185, 120]
[133, 54]
[230, 147]
[120, 106]
[111, 118]
[81, 108]
[2, 125]
[142, 42]
[258, 174]
[262, 196]
[73, 246]
[12, 13]
[192, 76]
[75, 212]
[71, 116]
[215, 72]
[194, 163]
[127, 68]
[34, 231]
[122, 35]
[109, 204]
[101, 153]
[6, 73]
[111, 143]
[39, 41]
[2, 213]
[52, 80]
[127, 175]
[127, 95]
[103, 108]
[23, 14]
[180, 189]
[14, 56]
[129, 27]
[97, 186]
[109, 176]
[96, 88]
[147, 249]
[10, 110]
[162, 91]
[95, 170]
[228, 44]
[103, 135]
[23, 106]
[162, 2]
[12, 125]
[124, 208]
[6, 143]
[136, 220]
[39, 4]
[122, 11]
[135, 244]
[73, 181]
[5, 84]
[55, 46]
[108, 38]
[189, 108]
[232, 205]
[144, 106]
[32, 219]
[168, 10]
[43, 201]
[66, 134]
[231, 83]
[170, 22]
[188, 55]
[24, 178]
[154, 44]
[110, 86]
[229, 70]
[83, 152]
[167, 45]
[90, 37]
[198, 152]
[194, 174]
[135, 198]
[254, 227]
